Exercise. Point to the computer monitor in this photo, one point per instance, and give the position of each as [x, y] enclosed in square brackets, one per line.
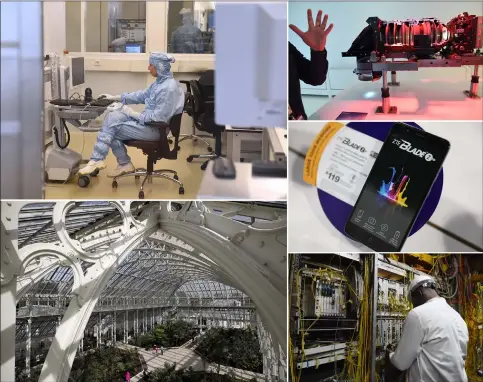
[133, 48]
[251, 74]
[77, 72]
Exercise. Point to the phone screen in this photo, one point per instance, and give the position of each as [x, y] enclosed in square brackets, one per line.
[399, 183]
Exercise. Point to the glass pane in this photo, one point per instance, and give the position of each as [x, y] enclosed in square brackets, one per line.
[191, 27]
[116, 26]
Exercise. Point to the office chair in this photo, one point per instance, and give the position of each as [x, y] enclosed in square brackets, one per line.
[156, 150]
[204, 120]
[188, 109]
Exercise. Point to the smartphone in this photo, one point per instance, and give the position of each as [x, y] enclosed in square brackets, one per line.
[397, 186]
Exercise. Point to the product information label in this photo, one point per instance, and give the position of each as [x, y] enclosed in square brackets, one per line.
[316, 150]
[345, 164]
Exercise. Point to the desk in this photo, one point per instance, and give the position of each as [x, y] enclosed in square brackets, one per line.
[274, 144]
[234, 138]
[423, 99]
[245, 186]
[460, 210]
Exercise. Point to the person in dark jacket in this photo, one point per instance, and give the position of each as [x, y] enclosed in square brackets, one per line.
[313, 71]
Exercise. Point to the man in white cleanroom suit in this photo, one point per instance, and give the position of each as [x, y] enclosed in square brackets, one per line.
[162, 100]
[434, 339]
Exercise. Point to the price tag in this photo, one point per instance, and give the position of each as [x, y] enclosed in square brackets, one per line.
[345, 164]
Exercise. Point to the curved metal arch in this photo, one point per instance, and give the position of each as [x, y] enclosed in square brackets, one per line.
[270, 302]
[274, 269]
[34, 251]
[59, 216]
[63, 349]
[28, 281]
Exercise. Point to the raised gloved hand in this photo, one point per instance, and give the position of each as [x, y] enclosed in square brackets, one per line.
[111, 97]
[130, 112]
[114, 107]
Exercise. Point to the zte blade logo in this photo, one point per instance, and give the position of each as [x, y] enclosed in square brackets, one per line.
[348, 142]
[406, 146]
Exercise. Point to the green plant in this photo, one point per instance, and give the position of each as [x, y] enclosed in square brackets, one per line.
[238, 348]
[173, 333]
[105, 364]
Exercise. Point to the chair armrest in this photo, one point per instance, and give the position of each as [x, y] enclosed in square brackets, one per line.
[187, 83]
[159, 125]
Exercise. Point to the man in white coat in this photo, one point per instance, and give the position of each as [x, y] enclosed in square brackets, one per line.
[434, 341]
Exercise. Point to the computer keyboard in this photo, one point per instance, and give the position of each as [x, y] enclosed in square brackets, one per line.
[101, 102]
[80, 102]
[68, 102]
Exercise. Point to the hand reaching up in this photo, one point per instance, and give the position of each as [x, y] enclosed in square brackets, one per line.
[316, 35]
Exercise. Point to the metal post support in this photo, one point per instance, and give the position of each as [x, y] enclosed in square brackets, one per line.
[375, 295]
[7, 323]
[98, 330]
[475, 79]
[125, 326]
[112, 329]
[145, 320]
[28, 346]
[393, 79]
[386, 107]
[136, 323]
[115, 327]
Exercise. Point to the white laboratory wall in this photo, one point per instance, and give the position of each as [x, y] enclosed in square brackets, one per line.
[349, 19]
[54, 26]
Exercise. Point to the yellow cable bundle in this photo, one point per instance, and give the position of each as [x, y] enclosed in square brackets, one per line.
[361, 371]
[472, 310]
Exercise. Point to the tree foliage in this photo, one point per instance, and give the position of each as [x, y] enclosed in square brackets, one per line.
[171, 334]
[238, 348]
[105, 364]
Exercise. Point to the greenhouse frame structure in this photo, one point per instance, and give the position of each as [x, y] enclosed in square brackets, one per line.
[116, 268]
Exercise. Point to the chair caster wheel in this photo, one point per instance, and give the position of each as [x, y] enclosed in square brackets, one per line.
[114, 184]
[189, 159]
[141, 195]
[204, 165]
[137, 177]
[95, 173]
[176, 177]
[181, 190]
[178, 148]
[210, 149]
[83, 181]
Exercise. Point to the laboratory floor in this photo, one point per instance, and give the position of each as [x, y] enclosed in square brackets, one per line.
[190, 174]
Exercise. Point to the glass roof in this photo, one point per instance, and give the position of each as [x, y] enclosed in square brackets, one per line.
[169, 270]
